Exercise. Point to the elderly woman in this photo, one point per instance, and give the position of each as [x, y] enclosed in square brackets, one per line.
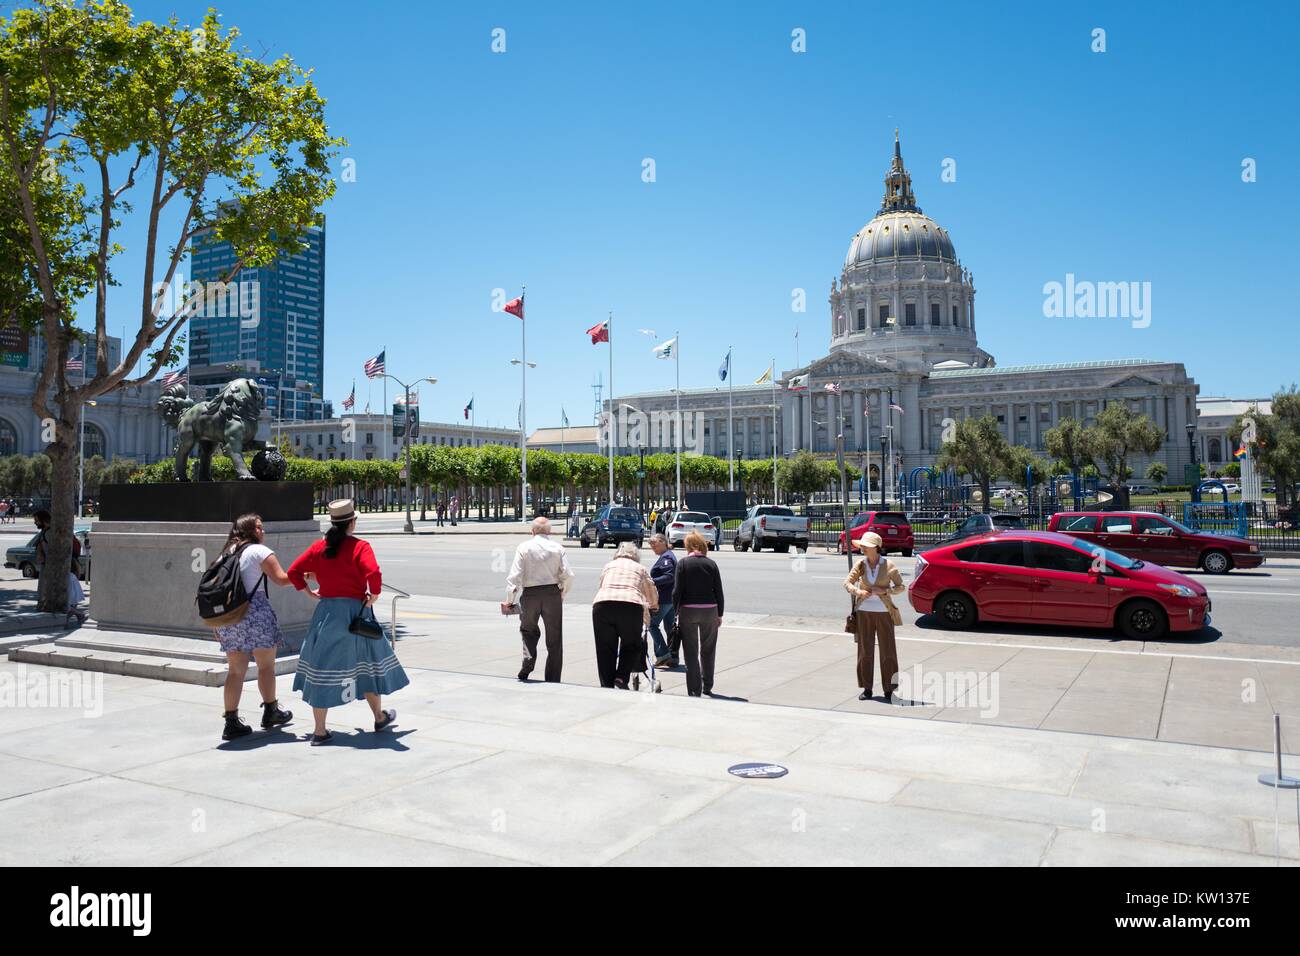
[625, 599]
[697, 595]
[873, 582]
[336, 664]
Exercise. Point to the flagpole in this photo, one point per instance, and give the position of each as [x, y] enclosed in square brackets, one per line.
[677, 352]
[731, 440]
[523, 404]
[472, 412]
[609, 328]
[775, 495]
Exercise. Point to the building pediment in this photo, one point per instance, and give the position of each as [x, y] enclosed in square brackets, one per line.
[841, 365]
[1134, 381]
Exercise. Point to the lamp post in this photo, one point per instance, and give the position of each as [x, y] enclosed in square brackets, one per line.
[641, 476]
[1191, 442]
[406, 441]
[844, 478]
[81, 462]
[884, 444]
[524, 366]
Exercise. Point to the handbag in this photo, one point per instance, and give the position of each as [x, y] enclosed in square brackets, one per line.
[851, 622]
[365, 625]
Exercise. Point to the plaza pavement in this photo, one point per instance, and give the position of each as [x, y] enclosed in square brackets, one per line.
[485, 770]
[1083, 764]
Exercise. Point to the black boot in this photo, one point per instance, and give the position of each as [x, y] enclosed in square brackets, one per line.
[866, 694]
[235, 727]
[274, 716]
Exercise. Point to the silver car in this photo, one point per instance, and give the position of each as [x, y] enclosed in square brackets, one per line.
[684, 522]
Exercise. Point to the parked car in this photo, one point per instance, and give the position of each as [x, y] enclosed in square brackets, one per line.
[772, 526]
[23, 556]
[893, 527]
[1143, 490]
[613, 523]
[682, 523]
[985, 524]
[1041, 577]
[1159, 540]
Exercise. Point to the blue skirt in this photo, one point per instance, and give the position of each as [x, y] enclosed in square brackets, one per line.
[336, 667]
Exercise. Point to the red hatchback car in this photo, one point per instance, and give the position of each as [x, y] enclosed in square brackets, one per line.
[1038, 577]
[892, 526]
[1158, 540]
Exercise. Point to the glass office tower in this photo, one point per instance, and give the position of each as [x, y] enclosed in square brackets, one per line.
[267, 324]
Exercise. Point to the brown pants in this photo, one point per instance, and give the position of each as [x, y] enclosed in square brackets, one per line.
[877, 626]
[545, 602]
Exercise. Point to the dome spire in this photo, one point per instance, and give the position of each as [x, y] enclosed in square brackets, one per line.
[898, 185]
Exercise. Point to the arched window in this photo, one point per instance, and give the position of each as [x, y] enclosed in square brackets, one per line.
[1216, 450]
[8, 438]
[94, 442]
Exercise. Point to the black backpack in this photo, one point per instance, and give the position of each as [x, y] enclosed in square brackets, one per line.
[222, 598]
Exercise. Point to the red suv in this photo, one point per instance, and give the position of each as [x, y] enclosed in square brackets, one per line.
[1038, 577]
[892, 526]
[1159, 540]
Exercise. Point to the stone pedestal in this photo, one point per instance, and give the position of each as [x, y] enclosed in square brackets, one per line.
[153, 543]
[145, 574]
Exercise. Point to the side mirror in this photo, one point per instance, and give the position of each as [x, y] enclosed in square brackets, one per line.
[1099, 577]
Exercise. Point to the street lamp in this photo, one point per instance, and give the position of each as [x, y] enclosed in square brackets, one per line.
[81, 462]
[406, 440]
[524, 366]
[884, 445]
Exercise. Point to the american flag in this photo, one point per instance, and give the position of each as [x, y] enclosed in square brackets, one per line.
[896, 407]
[75, 365]
[832, 386]
[171, 378]
[375, 366]
[351, 400]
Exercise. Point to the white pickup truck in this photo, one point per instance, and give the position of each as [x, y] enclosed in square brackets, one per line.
[772, 526]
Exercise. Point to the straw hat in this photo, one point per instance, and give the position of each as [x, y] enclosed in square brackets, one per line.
[869, 540]
[342, 510]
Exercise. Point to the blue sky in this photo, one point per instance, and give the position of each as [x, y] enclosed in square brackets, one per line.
[478, 171]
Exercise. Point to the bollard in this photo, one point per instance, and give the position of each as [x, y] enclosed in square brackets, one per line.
[1279, 781]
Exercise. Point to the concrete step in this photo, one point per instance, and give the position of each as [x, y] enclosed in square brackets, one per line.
[152, 656]
[23, 622]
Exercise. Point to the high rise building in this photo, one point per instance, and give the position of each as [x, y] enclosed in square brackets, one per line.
[267, 323]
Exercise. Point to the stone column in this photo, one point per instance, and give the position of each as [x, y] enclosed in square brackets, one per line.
[911, 402]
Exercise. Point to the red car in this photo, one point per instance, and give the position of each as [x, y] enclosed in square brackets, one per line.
[892, 527]
[1158, 540]
[1039, 577]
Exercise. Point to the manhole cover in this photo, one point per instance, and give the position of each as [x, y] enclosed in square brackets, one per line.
[762, 770]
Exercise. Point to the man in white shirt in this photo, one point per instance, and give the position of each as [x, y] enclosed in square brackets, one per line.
[540, 577]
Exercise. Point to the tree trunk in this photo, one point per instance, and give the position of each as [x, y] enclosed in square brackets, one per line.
[52, 595]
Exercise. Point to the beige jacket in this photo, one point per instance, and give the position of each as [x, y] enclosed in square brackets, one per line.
[893, 585]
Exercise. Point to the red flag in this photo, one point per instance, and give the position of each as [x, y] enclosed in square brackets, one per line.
[516, 306]
[599, 333]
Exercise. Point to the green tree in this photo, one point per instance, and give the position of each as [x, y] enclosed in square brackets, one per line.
[1072, 445]
[1157, 471]
[979, 450]
[801, 474]
[227, 144]
[1277, 441]
[1119, 434]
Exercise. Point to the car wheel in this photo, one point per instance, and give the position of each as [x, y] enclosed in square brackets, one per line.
[1142, 621]
[756, 544]
[640, 542]
[907, 552]
[955, 611]
[1216, 562]
[735, 543]
[28, 570]
[583, 542]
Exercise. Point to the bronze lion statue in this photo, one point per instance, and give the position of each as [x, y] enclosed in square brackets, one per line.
[228, 421]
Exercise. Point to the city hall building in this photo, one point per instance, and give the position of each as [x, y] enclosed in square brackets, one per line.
[905, 355]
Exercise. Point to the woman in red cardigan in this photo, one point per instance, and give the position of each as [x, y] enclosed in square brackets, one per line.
[335, 665]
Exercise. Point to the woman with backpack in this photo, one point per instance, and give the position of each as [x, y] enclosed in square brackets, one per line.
[257, 633]
[345, 655]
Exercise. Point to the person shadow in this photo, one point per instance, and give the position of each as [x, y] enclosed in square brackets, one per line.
[713, 695]
[360, 739]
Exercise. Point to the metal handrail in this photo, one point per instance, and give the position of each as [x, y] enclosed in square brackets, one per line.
[398, 595]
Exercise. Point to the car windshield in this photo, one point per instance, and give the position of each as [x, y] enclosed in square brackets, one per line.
[777, 512]
[698, 517]
[1179, 525]
[1113, 558]
[624, 514]
[887, 517]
